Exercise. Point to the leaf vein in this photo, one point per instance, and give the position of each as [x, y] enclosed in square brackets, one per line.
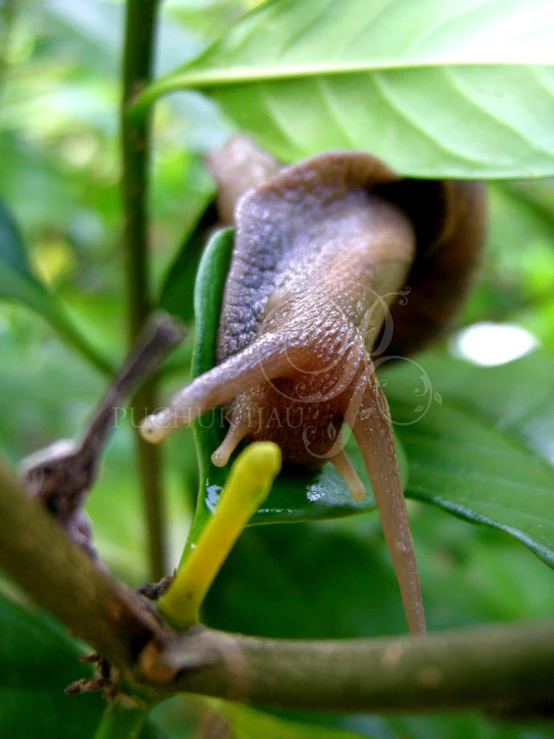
[382, 88]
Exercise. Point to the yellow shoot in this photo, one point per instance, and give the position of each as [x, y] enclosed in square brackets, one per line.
[247, 486]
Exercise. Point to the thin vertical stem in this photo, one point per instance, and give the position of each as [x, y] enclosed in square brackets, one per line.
[137, 69]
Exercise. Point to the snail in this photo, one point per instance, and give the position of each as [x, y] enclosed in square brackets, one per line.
[322, 249]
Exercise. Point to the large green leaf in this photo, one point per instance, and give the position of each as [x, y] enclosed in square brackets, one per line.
[247, 723]
[295, 495]
[436, 89]
[486, 453]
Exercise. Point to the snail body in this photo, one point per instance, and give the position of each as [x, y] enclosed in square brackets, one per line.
[322, 249]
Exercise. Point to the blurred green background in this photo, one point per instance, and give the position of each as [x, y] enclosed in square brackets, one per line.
[59, 175]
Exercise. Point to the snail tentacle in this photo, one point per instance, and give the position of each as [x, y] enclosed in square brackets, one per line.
[349, 474]
[372, 429]
[265, 359]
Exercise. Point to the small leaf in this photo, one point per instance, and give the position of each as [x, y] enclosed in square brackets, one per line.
[296, 495]
[436, 90]
[487, 453]
[17, 282]
[437, 397]
[16, 278]
[248, 723]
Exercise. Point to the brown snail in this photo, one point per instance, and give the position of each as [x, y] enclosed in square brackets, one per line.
[322, 249]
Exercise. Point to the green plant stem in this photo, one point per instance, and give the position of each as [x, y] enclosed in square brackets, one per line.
[140, 25]
[123, 719]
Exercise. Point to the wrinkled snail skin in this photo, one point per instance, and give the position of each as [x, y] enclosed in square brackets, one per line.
[315, 270]
[322, 249]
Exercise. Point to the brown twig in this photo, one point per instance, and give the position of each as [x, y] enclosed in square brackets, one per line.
[63, 473]
[497, 668]
[59, 576]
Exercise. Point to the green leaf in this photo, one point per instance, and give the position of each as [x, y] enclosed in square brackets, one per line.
[486, 453]
[295, 495]
[39, 660]
[16, 278]
[248, 723]
[319, 581]
[335, 580]
[17, 282]
[435, 89]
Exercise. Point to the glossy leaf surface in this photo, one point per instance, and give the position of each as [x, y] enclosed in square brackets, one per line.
[486, 453]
